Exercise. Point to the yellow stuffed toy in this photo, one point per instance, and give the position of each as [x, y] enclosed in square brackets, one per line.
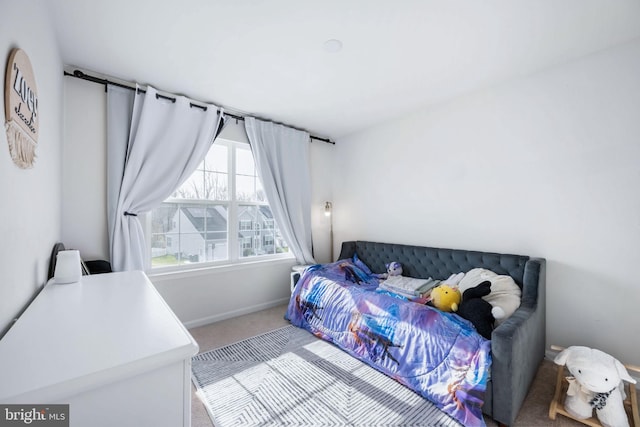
[445, 298]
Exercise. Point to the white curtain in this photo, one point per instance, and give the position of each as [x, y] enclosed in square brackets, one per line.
[166, 142]
[282, 161]
[119, 111]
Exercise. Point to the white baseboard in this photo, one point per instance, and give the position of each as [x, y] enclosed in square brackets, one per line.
[551, 355]
[234, 313]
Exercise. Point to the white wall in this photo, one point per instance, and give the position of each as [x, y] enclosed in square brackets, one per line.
[321, 191]
[84, 169]
[199, 297]
[203, 297]
[543, 166]
[30, 218]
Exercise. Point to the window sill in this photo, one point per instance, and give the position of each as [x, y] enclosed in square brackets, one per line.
[173, 274]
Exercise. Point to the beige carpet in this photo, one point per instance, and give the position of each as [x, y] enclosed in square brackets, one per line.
[534, 412]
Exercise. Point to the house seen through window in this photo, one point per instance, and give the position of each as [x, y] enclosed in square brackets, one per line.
[219, 215]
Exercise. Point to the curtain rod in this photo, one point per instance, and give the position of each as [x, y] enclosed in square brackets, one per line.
[84, 76]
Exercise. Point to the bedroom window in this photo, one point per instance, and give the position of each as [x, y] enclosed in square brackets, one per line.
[218, 216]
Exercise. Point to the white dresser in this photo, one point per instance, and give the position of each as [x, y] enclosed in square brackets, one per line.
[109, 346]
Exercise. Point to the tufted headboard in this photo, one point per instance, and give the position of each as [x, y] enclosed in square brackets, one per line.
[423, 262]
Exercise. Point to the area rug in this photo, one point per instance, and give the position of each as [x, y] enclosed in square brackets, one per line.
[288, 377]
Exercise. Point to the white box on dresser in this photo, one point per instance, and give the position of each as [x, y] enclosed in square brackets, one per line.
[109, 346]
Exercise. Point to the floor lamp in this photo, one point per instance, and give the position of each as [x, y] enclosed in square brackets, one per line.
[328, 207]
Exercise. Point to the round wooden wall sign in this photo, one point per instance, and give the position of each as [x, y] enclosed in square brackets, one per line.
[21, 109]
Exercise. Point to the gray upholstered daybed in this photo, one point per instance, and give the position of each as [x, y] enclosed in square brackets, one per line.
[517, 345]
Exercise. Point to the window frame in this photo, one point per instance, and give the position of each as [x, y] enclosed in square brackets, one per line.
[234, 240]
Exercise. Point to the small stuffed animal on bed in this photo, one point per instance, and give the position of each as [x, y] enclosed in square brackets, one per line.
[393, 269]
[445, 298]
[478, 311]
[598, 385]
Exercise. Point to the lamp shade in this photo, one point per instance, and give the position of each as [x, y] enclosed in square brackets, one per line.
[68, 268]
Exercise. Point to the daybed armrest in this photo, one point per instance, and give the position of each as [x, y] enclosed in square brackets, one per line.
[517, 346]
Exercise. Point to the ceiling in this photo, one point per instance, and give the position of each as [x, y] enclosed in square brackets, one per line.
[267, 57]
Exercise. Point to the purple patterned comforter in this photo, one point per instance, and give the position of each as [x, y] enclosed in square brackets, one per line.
[439, 355]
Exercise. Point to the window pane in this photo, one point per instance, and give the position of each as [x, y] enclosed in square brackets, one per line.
[162, 223]
[204, 186]
[247, 216]
[216, 159]
[260, 196]
[162, 218]
[189, 233]
[258, 234]
[246, 188]
[216, 242]
[244, 162]
[192, 188]
[192, 218]
[191, 248]
[216, 186]
[203, 232]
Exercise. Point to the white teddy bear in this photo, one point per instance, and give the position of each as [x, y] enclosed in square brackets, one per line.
[596, 384]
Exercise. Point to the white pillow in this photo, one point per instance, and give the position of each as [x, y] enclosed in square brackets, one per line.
[505, 293]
